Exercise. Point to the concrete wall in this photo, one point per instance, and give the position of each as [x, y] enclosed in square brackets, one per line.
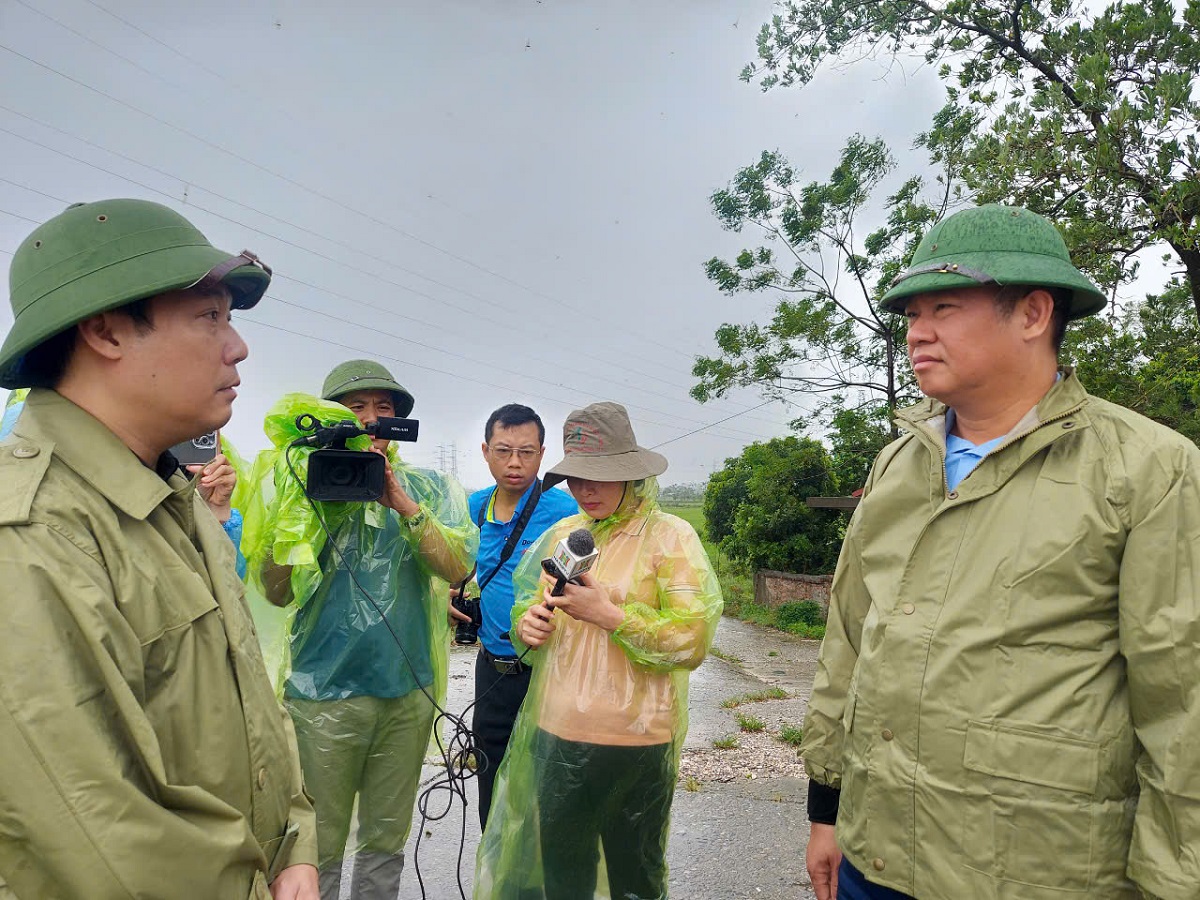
[773, 589]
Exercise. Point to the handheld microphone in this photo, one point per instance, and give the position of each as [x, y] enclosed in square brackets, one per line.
[574, 555]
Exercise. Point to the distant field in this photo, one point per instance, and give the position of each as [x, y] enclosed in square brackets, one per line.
[694, 515]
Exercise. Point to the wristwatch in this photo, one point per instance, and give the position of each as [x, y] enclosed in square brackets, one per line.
[416, 520]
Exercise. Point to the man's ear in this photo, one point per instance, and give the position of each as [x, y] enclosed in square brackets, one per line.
[105, 334]
[483, 449]
[1037, 313]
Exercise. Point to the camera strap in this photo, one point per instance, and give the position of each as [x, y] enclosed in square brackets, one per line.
[510, 545]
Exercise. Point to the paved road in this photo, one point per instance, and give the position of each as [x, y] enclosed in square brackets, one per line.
[740, 840]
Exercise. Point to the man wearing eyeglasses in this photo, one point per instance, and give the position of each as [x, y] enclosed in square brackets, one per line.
[512, 515]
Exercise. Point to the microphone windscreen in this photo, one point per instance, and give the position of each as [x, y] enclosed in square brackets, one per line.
[581, 542]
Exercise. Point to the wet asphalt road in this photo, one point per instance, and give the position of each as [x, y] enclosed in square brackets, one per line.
[738, 841]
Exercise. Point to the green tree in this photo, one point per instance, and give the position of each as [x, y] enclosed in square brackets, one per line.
[856, 436]
[827, 340]
[755, 507]
[1147, 360]
[1088, 117]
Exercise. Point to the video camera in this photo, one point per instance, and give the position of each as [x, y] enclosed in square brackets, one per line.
[338, 474]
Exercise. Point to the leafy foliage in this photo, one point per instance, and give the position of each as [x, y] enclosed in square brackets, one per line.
[755, 507]
[804, 612]
[1089, 116]
[1148, 361]
[827, 338]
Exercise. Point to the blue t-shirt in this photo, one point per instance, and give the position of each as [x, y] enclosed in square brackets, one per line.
[961, 455]
[498, 594]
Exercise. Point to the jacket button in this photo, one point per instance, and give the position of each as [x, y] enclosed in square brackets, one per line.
[26, 452]
[908, 609]
[886, 734]
[953, 495]
[878, 864]
[1068, 424]
[262, 778]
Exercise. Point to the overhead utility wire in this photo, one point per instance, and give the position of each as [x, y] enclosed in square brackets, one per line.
[357, 301]
[436, 349]
[458, 375]
[406, 362]
[706, 427]
[369, 217]
[345, 245]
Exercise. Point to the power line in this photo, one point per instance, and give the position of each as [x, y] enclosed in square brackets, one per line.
[405, 362]
[306, 188]
[706, 427]
[189, 183]
[354, 300]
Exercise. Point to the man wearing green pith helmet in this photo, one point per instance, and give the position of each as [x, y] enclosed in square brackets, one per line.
[369, 635]
[1007, 703]
[144, 752]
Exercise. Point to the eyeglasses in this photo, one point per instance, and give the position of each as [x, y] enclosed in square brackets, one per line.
[525, 454]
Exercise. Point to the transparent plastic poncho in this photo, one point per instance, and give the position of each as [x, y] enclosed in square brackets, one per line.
[584, 793]
[336, 653]
[12, 410]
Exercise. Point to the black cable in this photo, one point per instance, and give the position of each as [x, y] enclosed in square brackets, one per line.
[456, 750]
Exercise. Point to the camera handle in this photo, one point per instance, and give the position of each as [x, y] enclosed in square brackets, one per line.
[326, 436]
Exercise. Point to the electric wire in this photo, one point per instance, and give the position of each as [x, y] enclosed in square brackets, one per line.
[295, 183]
[357, 301]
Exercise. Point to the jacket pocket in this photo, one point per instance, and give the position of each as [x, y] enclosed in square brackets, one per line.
[281, 854]
[1030, 815]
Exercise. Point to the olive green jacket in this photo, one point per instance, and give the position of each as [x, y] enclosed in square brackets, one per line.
[1008, 694]
[142, 750]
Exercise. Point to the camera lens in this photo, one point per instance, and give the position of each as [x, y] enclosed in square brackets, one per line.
[343, 475]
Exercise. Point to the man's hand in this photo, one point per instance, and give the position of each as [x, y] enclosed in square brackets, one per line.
[394, 496]
[588, 602]
[296, 883]
[822, 859]
[456, 615]
[534, 628]
[215, 483]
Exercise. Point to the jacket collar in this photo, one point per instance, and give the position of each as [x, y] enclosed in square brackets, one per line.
[94, 453]
[1066, 396]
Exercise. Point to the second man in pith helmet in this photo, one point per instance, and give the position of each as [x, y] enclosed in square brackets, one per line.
[1006, 703]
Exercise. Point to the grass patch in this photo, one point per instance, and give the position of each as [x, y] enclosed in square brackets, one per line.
[790, 734]
[772, 653]
[691, 784]
[773, 693]
[749, 724]
[728, 657]
[729, 742]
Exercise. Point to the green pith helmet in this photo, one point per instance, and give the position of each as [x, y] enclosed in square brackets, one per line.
[98, 256]
[365, 375]
[993, 244]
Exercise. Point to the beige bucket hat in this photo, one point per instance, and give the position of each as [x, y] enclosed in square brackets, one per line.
[598, 444]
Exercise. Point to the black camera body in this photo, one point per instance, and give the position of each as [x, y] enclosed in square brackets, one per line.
[341, 475]
[467, 632]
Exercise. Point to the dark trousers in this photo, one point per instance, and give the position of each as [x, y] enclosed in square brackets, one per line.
[852, 885]
[497, 700]
[594, 794]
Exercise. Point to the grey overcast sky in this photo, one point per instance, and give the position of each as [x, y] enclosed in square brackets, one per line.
[501, 201]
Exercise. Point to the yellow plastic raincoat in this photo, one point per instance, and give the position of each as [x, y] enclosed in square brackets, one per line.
[584, 794]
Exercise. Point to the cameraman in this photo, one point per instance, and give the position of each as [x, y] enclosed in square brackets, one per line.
[363, 669]
[511, 516]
